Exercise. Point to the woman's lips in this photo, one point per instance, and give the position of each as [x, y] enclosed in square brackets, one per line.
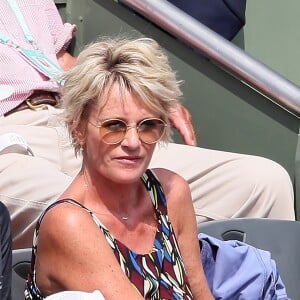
[128, 159]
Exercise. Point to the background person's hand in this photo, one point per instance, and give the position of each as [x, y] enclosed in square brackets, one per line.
[66, 60]
[181, 119]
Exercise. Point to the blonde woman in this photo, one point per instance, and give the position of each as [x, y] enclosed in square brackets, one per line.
[120, 228]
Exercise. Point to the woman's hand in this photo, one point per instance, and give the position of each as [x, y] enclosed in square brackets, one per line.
[181, 119]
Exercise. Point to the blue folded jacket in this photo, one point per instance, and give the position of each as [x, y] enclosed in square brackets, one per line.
[238, 271]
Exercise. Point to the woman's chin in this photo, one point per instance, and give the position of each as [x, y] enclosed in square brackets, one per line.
[127, 176]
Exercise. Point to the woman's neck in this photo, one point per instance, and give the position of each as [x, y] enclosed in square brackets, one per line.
[103, 195]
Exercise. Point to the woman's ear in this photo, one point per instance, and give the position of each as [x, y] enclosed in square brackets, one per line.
[79, 135]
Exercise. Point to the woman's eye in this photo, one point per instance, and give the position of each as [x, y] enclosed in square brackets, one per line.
[114, 125]
[149, 124]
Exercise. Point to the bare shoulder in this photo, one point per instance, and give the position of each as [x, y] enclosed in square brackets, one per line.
[174, 185]
[178, 197]
[165, 176]
[70, 245]
[64, 217]
[65, 227]
[73, 254]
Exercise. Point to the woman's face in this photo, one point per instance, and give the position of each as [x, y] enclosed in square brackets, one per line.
[125, 161]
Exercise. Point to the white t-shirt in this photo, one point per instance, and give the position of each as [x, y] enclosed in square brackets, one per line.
[76, 295]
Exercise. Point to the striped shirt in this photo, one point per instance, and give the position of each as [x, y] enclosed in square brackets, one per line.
[51, 36]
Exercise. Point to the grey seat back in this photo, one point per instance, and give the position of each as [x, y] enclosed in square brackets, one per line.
[280, 237]
[20, 267]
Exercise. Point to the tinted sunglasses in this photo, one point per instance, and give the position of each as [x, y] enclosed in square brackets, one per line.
[113, 131]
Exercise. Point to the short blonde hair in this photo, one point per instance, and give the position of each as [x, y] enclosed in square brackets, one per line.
[138, 65]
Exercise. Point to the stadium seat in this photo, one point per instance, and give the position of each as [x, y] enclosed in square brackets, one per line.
[20, 268]
[280, 237]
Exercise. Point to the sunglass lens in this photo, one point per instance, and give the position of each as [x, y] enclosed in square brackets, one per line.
[113, 131]
[151, 130]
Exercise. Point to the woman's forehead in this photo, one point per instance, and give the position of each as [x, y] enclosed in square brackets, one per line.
[121, 100]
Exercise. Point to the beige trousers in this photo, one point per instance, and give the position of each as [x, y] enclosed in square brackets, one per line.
[223, 185]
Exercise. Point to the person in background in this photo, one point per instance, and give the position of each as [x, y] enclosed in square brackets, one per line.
[117, 99]
[226, 18]
[5, 253]
[37, 161]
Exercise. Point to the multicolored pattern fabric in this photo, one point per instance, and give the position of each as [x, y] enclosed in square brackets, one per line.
[157, 275]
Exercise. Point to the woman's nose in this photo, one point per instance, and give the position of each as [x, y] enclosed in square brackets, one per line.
[131, 138]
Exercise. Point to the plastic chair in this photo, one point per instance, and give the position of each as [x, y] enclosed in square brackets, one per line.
[280, 237]
[20, 267]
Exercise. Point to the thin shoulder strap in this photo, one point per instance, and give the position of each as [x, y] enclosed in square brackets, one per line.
[155, 190]
[71, 201]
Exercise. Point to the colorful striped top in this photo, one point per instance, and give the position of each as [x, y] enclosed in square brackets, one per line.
[157, 275]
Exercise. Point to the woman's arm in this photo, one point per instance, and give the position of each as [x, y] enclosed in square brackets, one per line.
[182, 217]
[73, 254]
